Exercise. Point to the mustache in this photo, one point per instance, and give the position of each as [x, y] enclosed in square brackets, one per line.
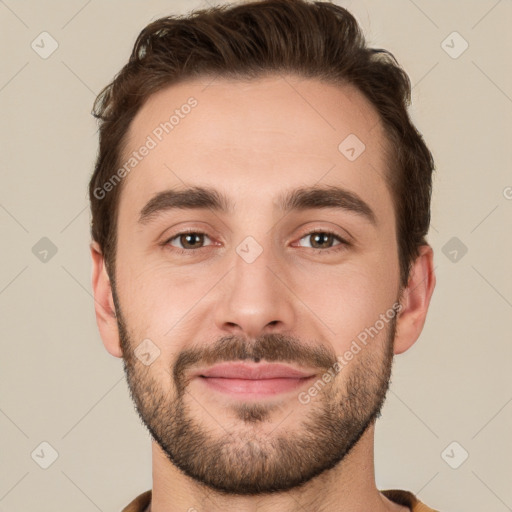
[270, 347]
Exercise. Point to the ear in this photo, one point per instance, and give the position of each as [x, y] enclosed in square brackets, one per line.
[415, 300]
[104, 303]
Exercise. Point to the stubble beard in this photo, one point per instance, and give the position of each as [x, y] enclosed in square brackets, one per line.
[244, 459]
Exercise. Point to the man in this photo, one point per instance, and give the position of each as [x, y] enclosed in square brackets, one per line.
[259, 210]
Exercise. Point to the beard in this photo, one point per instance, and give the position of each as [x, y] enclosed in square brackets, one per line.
[243, 459]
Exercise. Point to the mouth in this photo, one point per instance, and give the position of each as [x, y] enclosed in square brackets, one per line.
[242, 380]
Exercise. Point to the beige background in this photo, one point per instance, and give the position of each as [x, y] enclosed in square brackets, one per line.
[59, 385]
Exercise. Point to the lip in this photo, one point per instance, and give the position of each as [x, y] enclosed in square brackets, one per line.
[256, 371]
[253, 381]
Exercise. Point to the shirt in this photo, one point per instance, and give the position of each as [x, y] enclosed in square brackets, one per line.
[406, 498]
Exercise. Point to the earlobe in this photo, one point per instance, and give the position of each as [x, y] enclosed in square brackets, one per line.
[104, 303]
[415, 300]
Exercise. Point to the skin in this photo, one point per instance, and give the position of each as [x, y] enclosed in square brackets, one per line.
[252, 141]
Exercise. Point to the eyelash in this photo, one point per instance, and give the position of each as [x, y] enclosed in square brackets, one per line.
[189, 252]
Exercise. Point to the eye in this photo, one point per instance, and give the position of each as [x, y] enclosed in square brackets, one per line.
[188, 240]
[321, 241]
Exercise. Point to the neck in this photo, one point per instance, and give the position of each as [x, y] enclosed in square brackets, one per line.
[349, 486]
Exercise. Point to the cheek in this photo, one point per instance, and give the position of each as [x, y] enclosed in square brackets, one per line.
[165, 304]
[347, 301]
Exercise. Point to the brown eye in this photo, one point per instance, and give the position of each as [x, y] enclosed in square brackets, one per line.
[188, 240]
[191, 240]
[323, 240]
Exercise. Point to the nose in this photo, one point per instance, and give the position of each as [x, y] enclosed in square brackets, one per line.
[255, 298]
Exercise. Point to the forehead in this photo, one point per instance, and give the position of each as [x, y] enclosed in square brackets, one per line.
[256, 137]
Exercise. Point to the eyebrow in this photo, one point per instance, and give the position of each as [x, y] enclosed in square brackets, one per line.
[302, 198]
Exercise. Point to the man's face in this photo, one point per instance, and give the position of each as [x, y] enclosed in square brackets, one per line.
[253, 283]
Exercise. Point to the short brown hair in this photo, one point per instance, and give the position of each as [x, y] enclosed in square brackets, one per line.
[248, 40]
